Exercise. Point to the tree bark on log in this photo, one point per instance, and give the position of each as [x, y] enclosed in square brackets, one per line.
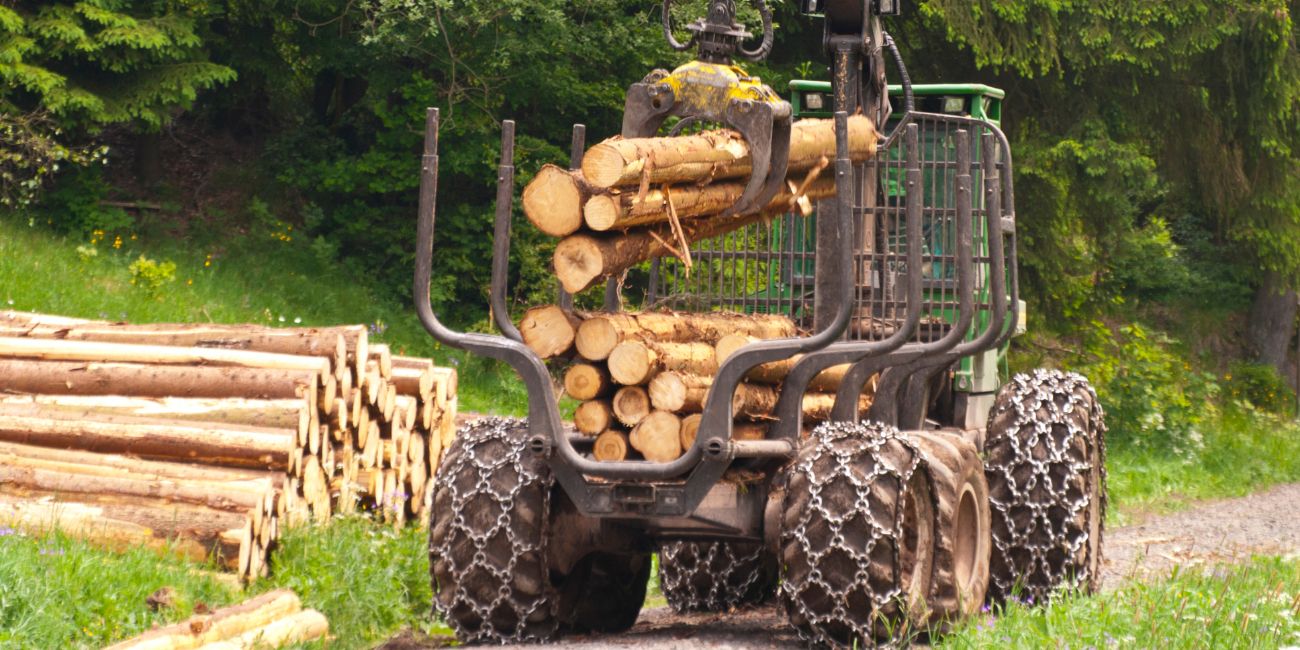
[637, 362]
[601, 332]
[583, 381]
[553, 200]
[210, 443]
[759, 402]
[622, 210]
[658, 437]
[274, 413]
[714, 154]
[549, 330]
[739, 430]
[147, 380]
[295, 628]
[774, 372]
[93, 351]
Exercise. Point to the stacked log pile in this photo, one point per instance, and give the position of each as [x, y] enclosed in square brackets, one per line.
[209, 438]
[643, 378]
[639, 198]
[272, 620]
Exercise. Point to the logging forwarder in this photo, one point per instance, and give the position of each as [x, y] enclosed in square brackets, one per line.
[916, 499]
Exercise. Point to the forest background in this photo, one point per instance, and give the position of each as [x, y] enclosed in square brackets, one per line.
[1157, 147]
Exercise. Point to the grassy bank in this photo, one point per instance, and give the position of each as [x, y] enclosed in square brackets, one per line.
[1255, 605]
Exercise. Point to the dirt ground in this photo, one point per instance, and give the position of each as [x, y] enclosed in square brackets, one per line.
[1210, 533]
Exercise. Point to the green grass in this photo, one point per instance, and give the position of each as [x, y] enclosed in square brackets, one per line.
[57, 592]
[1255, 605]
[246, 280]
[1244, 451]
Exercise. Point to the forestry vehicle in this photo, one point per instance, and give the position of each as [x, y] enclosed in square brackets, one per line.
[957, 487]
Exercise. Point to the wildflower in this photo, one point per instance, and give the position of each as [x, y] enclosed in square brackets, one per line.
[985, 609]
[282, 319]
[6, 531]
[189, 282]
[11, 302]
[297, 320]
[52, 551]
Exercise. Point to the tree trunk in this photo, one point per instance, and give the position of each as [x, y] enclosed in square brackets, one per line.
[293, 629]
[1272, 322]
[658, 437]
[600, 333]
[774, 372]
[92, 351]
[679, 392]
[209, 443]
[583, 381]
[714, 154]
[610, 445]
[739, 430]
[593, 417]
[631, 405]
[224, 623]
[148, 380]
[549, 330]
[622, 210]
[636, 362]
[277, 413]
[553, 200]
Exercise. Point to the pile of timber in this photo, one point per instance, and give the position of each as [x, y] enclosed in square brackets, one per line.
[209, 438]
[272, 620]
[643, 378]
[639, 198]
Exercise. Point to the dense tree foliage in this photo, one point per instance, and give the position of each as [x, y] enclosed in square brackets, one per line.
[1156, 142]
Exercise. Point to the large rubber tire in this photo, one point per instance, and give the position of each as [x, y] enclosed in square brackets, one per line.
[716, 576]
[603, 592]
[962, 523]
[856, 537]
[487, 542]
[1045, 461]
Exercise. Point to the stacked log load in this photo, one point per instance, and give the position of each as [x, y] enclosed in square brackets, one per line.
[208, 439]
[639, 198]
[643, 378]
[272, 620]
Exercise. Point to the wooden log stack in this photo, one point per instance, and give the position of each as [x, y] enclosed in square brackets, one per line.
[207, 439]
[639, 198]
[644, 378]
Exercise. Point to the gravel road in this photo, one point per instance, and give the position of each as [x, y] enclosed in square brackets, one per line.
[1209, 533]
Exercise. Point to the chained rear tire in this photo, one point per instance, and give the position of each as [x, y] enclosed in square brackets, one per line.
[1045, 464]
[961, 525]
[487, 543]
[856, 536]
[716, 576]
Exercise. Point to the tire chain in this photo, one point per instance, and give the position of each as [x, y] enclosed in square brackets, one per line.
[1039, 563]
[845, 444]
[484, 453]
[715, 576]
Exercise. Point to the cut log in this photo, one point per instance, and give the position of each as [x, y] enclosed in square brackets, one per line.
[120, 523]
[549, 330]
[593, 417]
[279, 413]
[677, 392]
[63, 350]
[658, 437]
[215, 444]
[581, 260]
[553, 200]
[759, 402]
[148, 380]
[610, 445]
[28, 318]
[584, 381]
[600, 333]
[333, 343]
[631, 405]
[739, 430]
[224, 623]
[622, 210]
[384, 357]
[774, 372]
[636, 362]
[236, 494]
[296, 628]
[714, 154]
